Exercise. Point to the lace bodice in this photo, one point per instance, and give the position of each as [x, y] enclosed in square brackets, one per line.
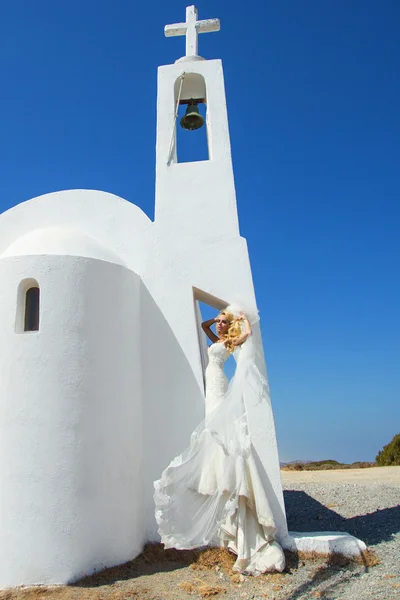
[216, 381]
[217, 354]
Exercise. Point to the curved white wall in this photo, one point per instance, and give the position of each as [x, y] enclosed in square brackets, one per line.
[60, 241]
[114, 223]
[71, 425]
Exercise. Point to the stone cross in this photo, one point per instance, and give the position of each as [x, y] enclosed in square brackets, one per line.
[191, 29]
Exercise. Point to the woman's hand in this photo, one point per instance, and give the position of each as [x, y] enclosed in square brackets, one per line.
[247, 330]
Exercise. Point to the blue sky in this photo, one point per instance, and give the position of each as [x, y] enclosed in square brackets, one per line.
[313, 98]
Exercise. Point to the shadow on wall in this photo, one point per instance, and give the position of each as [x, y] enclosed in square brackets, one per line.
[173, 403]
[304, 513]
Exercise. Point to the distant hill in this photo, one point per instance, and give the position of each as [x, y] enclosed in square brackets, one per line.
[323, 465]
[295, 462]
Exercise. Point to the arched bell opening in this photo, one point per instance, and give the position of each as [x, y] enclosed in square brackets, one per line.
[191, 127]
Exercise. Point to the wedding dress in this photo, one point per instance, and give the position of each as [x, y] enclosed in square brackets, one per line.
[212, 494]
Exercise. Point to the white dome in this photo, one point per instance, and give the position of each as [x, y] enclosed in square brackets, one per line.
[61, 242]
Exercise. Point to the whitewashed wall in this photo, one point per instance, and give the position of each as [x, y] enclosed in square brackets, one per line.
[71, 421]
[173, 402]
[82, 267]
[96, 404]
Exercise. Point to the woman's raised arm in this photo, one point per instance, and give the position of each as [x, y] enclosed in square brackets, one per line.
[206, 327]
[247, 331]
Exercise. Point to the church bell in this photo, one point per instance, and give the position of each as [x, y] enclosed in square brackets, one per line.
[192, 119]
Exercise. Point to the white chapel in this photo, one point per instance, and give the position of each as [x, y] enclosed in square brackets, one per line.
[101, 354]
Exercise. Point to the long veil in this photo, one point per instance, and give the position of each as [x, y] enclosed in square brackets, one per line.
[212, 493]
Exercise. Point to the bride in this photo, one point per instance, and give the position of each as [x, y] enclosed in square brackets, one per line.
[212, 494]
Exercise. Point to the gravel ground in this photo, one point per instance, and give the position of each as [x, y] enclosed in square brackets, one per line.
[365, 504]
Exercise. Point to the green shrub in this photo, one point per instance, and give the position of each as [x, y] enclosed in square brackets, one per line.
[333, 463]
[297, 467]
[390, 454]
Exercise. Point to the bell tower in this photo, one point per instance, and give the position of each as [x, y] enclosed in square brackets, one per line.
[198, 253]
[193, 194]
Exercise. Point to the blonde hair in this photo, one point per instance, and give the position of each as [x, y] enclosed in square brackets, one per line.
[234, 330]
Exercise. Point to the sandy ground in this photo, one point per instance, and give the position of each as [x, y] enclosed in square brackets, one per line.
[385, 475]
[173, 575]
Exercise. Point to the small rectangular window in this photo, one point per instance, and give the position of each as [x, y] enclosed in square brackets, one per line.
[32, 309]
